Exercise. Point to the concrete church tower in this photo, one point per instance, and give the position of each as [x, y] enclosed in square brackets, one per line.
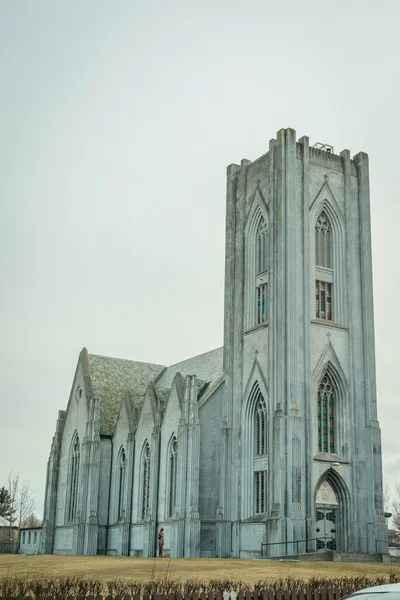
[302, 441]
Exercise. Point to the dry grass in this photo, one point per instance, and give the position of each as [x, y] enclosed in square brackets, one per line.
[107, 568]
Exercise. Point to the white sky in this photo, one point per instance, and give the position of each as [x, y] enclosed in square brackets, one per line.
[117, 121]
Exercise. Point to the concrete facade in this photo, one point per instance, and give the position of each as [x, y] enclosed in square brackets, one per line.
[272, 439]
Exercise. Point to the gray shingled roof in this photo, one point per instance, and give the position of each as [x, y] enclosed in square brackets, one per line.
[112, 378]
[207, 367]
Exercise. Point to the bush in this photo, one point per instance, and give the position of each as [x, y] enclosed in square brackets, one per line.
[12, 588]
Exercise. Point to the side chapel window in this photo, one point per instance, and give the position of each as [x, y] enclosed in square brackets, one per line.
[323, 268]
[121, 484]
[146, 481]
[73, 482]
[172, 475]
[326, 416]
[261, 272]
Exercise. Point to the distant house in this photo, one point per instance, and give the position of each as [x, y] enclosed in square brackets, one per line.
[8, 539]
[8, 534]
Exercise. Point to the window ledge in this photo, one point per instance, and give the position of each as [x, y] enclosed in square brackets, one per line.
[326, 457]
[259, 518]
[329, 324]
[256, 327]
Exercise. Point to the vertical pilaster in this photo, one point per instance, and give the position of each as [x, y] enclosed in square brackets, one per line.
[151, 523]
[192, 525]
[91, 533]
[377, 528]
[367, 306]
[233, 343]
[306, 393]
[50, 503]
[82, 513]
[130, 454]
[181, 490]
[286, 330]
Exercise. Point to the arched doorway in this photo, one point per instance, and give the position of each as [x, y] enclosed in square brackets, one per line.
[326, 514]
[332, 513]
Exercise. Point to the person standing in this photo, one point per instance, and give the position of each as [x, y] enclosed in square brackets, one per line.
[161, 542]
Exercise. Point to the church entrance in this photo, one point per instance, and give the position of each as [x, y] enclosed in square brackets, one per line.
[326, 514]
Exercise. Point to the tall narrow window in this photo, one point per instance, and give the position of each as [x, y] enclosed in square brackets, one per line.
[261, 257]
[262, 247]
[256, 268]
[323, 268]
[261, 480]
[172, 475]
[261, 427]
[121, 484]
[323, 242]
[326, 416]
[323, 300]
[255, 453]
[261, 304]
[73, 480]
[146, 481]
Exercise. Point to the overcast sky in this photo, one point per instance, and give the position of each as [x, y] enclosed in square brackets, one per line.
[117, 121]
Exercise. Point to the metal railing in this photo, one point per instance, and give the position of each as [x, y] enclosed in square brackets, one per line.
[294, 545]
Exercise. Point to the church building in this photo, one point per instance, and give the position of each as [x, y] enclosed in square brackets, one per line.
[267, 446]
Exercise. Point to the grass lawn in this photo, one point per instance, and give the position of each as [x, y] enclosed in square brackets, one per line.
[145, 569]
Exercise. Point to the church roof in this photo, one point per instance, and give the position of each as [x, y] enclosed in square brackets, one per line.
[207, 367]
[112, 378]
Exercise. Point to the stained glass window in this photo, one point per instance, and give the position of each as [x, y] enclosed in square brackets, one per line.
[323, 300]
[261, 480]
[73, 481]
[146, 481]
[172, 475]
[326, 416]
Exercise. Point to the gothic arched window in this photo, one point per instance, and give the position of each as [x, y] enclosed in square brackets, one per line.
[260, 268]
[146, 462]
[73, 479]
[173, 453]
[256, 269]
[255, 455]
[121, 484]
[323, 267]
[323, 241]
[326, 416]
